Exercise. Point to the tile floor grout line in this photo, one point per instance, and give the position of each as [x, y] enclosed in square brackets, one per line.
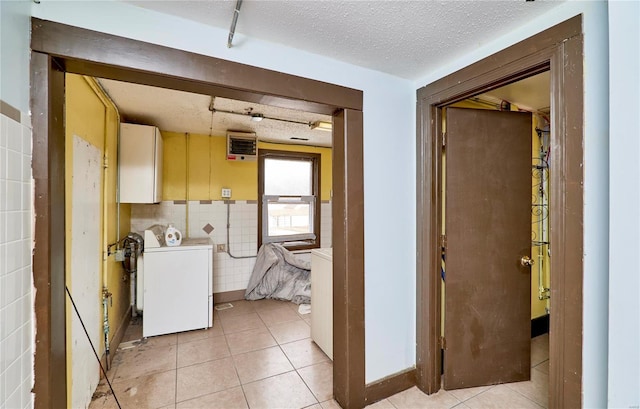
[244, 395]
[310, 390]
[175, 397]
[524, 396]
[235, 368]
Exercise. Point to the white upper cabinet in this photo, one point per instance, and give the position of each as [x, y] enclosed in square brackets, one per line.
[140, 164]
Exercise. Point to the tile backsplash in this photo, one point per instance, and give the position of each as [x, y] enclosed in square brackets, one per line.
[209, 219]
[16, 238]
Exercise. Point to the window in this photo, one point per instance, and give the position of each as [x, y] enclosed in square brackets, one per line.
[289, 202]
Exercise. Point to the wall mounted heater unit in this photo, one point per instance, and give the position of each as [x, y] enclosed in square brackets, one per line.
[242, 146]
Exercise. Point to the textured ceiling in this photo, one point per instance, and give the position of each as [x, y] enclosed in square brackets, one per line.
[403, 38]
[178, 111]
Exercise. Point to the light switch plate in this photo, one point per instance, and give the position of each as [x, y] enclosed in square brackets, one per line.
[226, 193]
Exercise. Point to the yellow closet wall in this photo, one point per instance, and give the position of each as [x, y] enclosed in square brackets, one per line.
[539, 254]
[201, 160]
[89, 115]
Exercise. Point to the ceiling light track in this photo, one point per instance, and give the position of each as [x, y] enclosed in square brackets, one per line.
[256, 117]
[232, 30]
[259, 117]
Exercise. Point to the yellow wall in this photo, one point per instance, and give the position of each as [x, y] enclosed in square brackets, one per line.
[539, 254]
[208, 170]
[92, 117]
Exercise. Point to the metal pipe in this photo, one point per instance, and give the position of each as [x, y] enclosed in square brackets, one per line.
[106, 99]
[105, 322]
[232, 30]
[228, 245]
[254, 115]
[106, 294]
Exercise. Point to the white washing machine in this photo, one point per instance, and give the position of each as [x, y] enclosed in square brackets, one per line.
[177, 287]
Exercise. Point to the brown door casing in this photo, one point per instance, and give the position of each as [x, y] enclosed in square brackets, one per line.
[58, 48]
[488, 230]
[558, 49]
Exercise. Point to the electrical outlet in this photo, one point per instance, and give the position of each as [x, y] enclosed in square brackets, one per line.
[221, 248]
[226, 193]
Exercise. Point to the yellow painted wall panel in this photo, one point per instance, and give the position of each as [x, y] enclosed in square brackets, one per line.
[85, 112]
[174, 166]
[84, 117]
[240, 176]
[90, 115]
[198, 165]
[539, 254]
[210, 171]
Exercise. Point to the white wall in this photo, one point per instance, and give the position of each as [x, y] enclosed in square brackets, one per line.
[14, 59]
[16, 210]
[624, 201]
[389, 138]
[596, 178]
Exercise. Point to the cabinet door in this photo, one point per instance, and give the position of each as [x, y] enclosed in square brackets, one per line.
[140, 161]
[158, 149]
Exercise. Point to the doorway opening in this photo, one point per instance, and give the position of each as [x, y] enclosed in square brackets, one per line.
[495, 210]
[120, 59]
[557, 50]
[193, 129]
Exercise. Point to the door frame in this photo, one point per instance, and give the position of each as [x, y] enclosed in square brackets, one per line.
[59, 48]
[559, 50]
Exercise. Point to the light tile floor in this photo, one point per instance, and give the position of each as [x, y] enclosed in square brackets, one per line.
[259, 354]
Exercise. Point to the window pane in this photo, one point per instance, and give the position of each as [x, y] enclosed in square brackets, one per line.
[286, 219]
[287, 177]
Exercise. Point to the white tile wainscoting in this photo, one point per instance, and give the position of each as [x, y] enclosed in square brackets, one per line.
[229, 274]
[16, 239]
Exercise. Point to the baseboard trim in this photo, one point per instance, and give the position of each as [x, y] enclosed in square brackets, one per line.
[389, 386]
[539, 326]
[228, 296]
[115, 341]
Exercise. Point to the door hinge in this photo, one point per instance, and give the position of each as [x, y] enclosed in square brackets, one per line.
[443, 343]
[444, 139]
[443, 241]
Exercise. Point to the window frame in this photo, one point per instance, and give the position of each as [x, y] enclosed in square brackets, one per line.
[314, 158]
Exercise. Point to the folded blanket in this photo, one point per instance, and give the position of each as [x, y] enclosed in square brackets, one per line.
[279, 274]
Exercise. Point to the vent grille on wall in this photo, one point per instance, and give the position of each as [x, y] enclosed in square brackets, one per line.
[242, 146]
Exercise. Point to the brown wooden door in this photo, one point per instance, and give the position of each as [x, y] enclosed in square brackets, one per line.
[488, 230]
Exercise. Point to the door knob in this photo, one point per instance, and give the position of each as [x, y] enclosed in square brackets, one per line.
[526, 261]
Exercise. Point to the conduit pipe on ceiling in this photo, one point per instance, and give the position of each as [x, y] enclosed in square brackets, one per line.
[232, 30]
